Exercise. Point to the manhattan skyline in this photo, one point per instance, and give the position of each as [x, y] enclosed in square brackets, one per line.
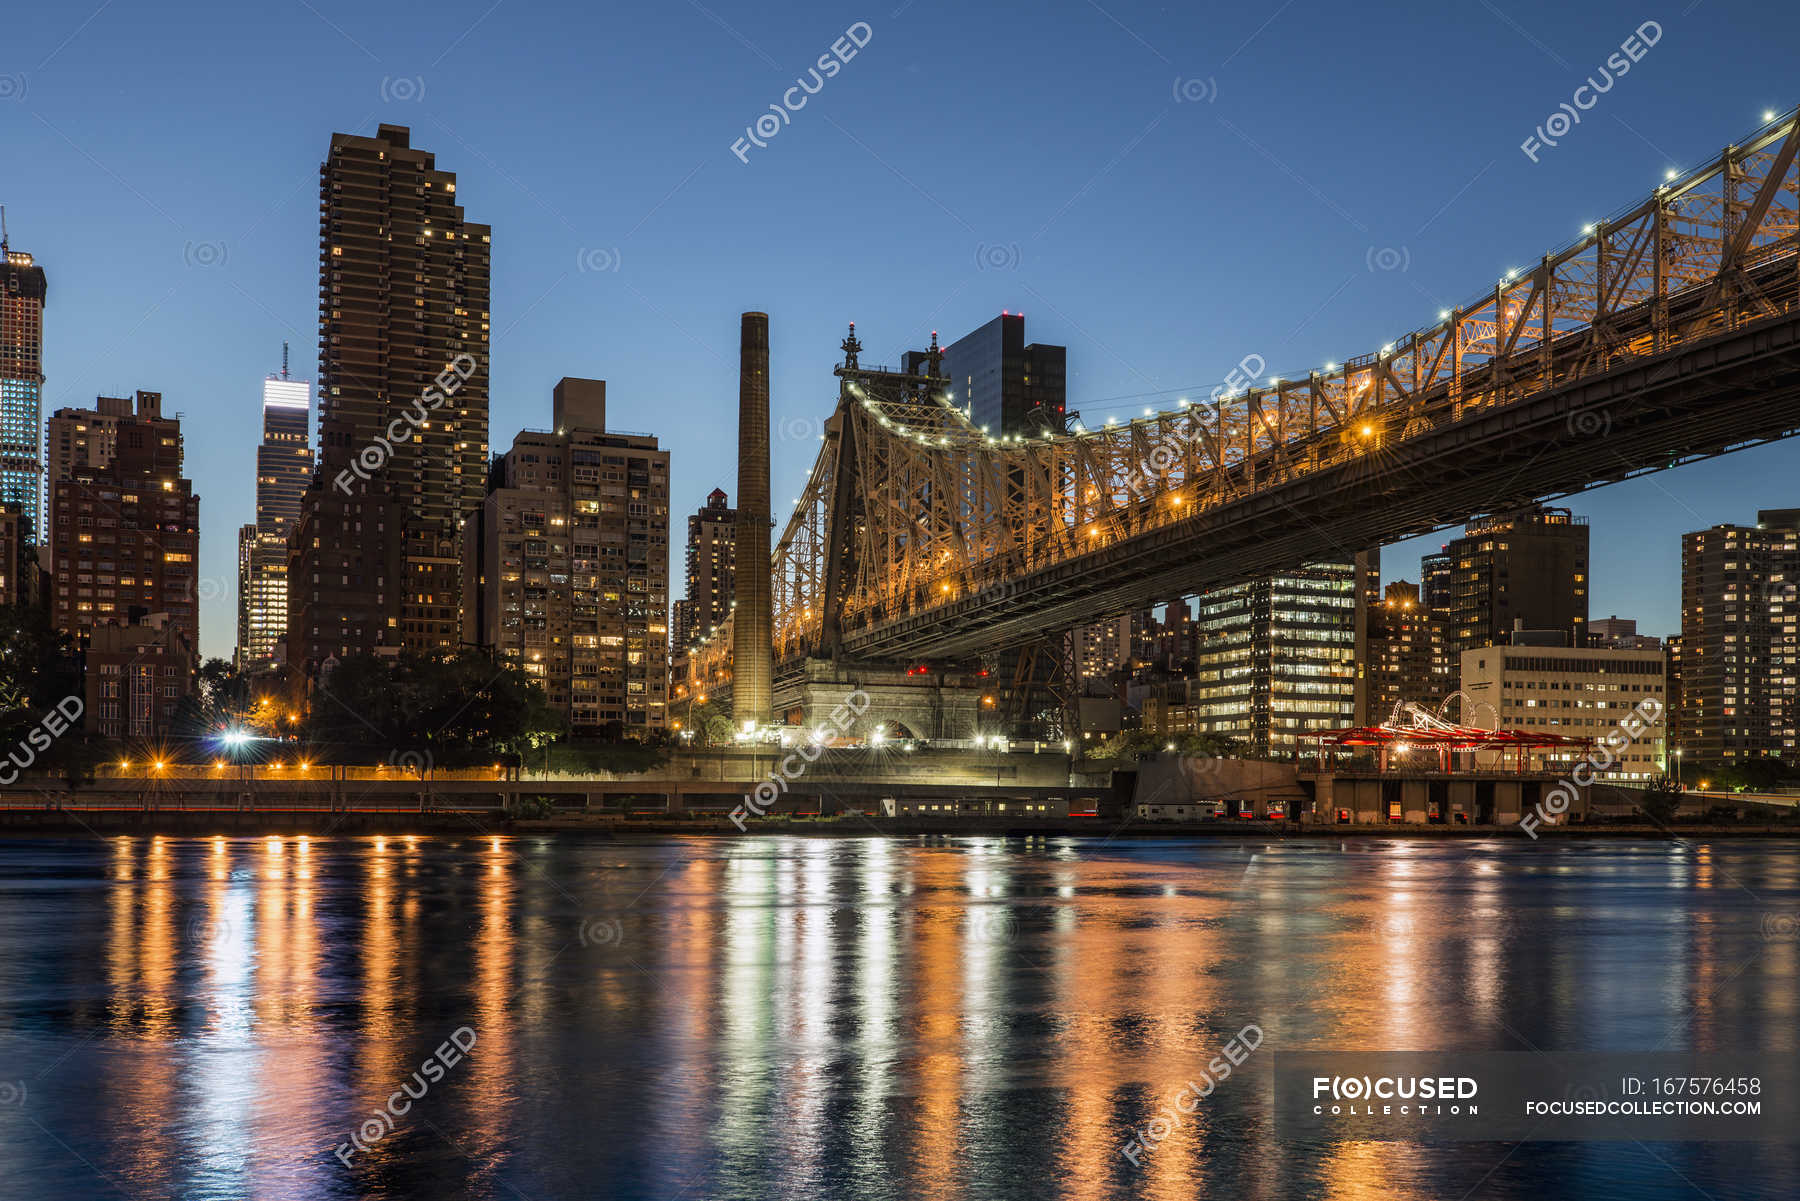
[179, 234]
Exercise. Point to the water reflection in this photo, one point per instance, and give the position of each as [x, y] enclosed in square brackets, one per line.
[812, 1017]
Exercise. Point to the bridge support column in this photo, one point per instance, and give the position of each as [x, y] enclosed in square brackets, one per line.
[902, 705]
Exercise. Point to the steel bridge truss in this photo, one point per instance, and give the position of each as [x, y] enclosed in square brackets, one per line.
[911, 510]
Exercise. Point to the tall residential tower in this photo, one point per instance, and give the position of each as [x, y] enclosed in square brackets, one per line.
[124, 530]
[1740, 640]
[403, 405]
[567, 566]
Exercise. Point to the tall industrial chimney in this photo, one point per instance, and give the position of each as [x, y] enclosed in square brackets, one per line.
[752, 671]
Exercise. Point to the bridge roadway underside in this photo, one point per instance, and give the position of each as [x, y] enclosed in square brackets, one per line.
[1707, 397]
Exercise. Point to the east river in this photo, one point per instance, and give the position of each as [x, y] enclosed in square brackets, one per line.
[775, 1017]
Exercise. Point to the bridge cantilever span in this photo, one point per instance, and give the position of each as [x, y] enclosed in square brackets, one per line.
[1668, 333]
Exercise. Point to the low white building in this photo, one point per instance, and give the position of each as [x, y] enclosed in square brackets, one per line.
[1578, 692]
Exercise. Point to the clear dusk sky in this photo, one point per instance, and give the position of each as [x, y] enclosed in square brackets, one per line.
[1165, 189]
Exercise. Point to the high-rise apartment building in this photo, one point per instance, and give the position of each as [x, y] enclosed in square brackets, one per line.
[1007, 386]
[23, 291]
[711, 562]
[1407, 659]
[1739, 627]
[284, 466]
[711, 581]
[124, 529]
[567, 566]
[403, 404]
[1101, 651]
[1434, 582]
[1275, 659]
[1530, 567]
[1672, 720]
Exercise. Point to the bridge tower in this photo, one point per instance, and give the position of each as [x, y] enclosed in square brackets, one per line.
[752, 654]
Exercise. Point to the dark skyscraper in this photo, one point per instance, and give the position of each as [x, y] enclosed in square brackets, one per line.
[403, 404]
[1006, 386]
[1530, 567]
[23, 290]
[1406, 658]
[1434, 582]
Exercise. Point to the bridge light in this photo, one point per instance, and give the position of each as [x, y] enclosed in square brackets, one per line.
[1769, 115]
[1147, 410]
[1368, 430]
[1670, 173]
[1331, 366]
[1443, 314]
[1587, 229]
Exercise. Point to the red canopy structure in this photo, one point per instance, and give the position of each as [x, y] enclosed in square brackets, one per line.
[1414, 727]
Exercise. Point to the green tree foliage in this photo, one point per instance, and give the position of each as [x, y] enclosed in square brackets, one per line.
[38, 666]
[39, 670]
[711, 724]
[465, 708]
[1757, 775]
[221, 698]
[1662, 799]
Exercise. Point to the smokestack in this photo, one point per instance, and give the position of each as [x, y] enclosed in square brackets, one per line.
[752, 672]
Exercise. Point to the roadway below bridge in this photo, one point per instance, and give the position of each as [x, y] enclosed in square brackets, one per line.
[1705, 398]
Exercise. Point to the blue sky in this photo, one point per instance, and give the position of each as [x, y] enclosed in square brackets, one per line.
[1163, 189]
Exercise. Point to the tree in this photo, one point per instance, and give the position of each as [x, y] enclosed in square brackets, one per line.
[39, 671]
[1763, 774]
[463, 708]
[38, 665]
[220, 699]
[711, 723]
[1662, 799]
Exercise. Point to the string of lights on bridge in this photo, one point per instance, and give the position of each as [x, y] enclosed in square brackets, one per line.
[1675, 183]
[1589, 231]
